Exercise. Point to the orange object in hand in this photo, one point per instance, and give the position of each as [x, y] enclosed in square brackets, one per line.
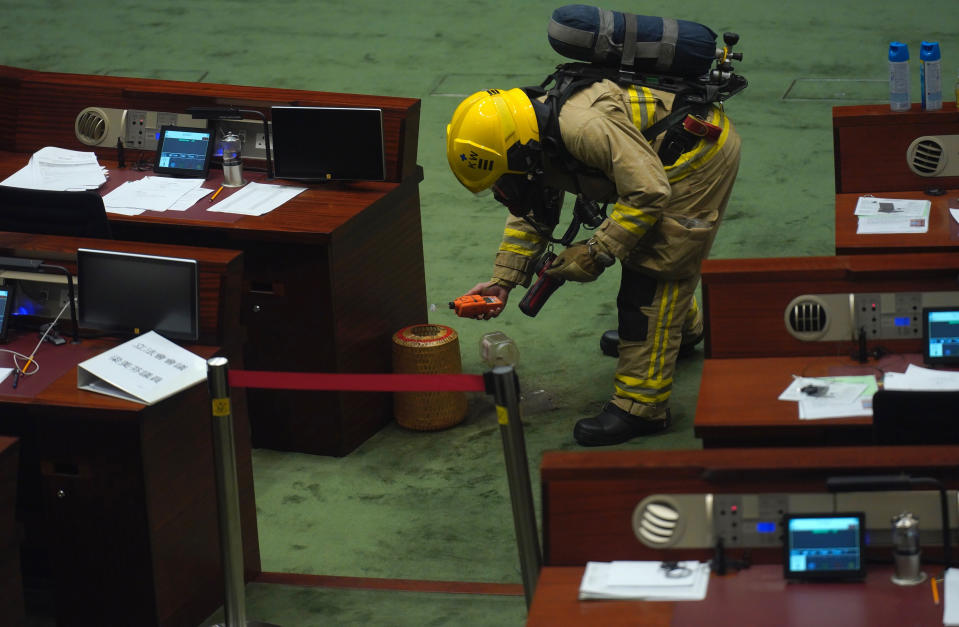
[474, 305]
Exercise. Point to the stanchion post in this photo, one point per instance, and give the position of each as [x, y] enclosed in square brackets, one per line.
[228, 493]
[504, 386]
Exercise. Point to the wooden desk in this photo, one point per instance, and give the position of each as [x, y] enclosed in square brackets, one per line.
[118, 502]
[738, 401]
[943, 235]
[755, 596]
[328, 277]
[588, 497]
[745, 300]
[11, 587]
[870, 143]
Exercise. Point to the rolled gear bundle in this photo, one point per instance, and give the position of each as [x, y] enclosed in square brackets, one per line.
[637, 42]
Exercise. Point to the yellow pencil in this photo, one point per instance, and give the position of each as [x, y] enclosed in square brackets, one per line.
[215, 193]
[935, 590]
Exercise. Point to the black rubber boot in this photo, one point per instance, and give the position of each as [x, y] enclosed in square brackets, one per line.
[609, 344]
[614, 426]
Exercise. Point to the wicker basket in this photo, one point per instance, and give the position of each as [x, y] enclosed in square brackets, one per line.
[427, 349]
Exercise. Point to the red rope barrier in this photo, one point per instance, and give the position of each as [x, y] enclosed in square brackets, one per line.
[357, 382]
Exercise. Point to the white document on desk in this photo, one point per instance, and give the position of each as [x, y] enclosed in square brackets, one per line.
[950, 596]
[845, 396]
[892, 215]
[643, 580]
[146, 369]
[917, 378]
[153, 193]
[257, 199]
[59, 169]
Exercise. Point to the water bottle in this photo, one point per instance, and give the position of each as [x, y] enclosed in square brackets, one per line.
[930, 76]
[899, 76]
[497, 349]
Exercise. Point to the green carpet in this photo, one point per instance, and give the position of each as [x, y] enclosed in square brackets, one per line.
[435, 505]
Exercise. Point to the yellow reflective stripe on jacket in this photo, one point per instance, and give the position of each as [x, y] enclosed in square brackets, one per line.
[521, 242]
[702, 152]
[643, 106]
[636, 221]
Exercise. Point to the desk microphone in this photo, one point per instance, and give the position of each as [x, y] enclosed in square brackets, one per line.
[121, 157]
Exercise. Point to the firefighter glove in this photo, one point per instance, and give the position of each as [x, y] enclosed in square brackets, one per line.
[582, 262]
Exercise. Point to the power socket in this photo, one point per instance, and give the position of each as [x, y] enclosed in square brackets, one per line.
[250, 132]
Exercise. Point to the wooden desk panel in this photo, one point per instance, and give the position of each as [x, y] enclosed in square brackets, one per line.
[755, 596]
[328, 277]
[744, 300]
[738, 401]
[588, 497]
[11, 586]
[219, 274]
[870, 144]
[39, 109]
[119, 505]
[943, 235]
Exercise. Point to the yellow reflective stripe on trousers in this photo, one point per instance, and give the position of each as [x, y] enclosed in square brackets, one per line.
[667, 308]
[654, 388]
[520, 242]
[643, 107]
[636, 221]
[702, 152]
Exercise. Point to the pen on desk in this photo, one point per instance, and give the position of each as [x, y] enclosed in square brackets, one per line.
[215, 193]
[16, 378]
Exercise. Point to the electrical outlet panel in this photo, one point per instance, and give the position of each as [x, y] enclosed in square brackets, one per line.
[250, 132]
[141, 129]
[896, 315]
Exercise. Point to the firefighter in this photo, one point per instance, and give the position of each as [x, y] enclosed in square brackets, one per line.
[667, 198]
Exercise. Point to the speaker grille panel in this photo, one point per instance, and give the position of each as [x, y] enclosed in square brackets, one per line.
[91, 126]
[657, 522]
[927, 158]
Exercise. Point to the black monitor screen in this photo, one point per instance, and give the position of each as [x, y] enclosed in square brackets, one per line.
[6, 308]
[824, 546]
[328, 143]
[129, 294]
[940, 335]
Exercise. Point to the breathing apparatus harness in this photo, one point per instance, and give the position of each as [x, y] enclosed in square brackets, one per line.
[526, 194]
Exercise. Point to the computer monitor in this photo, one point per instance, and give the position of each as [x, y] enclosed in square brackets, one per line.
[6, 308]
[824, 546]
[77, 214]
[914, 417]
[184, 152]
[940, 335]
[129, 293]
[328, 143]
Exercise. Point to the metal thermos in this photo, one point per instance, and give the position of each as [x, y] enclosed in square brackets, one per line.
[905, 550]
[232, 163]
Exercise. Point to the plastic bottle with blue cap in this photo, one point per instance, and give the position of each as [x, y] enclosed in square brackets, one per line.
[899, 76]
[930, 75]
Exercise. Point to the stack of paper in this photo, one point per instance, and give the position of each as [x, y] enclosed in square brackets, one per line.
[921, 379]
[831, 397]
[647, 581]
[892, 215]
[155, 193]
[257, 199]
[57, 169]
